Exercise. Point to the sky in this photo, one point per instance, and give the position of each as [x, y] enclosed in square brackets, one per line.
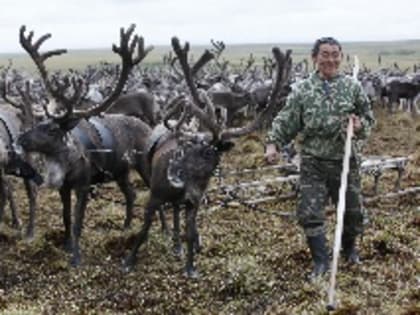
[90, 24]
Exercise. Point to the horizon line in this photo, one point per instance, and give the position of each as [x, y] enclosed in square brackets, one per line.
[236, 44]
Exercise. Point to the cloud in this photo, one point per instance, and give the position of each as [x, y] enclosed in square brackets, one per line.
[96, 23]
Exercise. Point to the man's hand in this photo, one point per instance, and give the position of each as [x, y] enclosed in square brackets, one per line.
[357, 124]
[271, 155]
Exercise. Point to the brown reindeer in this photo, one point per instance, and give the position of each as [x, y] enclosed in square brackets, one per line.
[84, 147]
[181, 163]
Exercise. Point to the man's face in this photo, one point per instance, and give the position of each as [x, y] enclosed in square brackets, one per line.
[328, 60]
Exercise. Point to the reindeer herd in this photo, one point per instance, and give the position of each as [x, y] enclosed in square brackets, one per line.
[170, 124]
[77, 144]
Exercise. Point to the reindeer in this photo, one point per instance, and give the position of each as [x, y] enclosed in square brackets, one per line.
[139, 104]
[182, 163]
[407, 90]
[84, 147]
[14, 119]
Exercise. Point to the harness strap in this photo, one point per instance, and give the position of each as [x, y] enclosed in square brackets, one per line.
[4, 119]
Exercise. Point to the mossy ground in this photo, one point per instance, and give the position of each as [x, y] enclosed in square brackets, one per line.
[252, 262]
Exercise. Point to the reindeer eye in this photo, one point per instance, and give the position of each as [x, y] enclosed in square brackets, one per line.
[209, 153]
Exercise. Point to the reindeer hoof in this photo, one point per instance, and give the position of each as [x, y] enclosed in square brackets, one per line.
[127, 225]
[28, 239]
[29, 236]
[191, 273]
[16, 225]
[68, 246]
[128, 265]
[75, 262]
[178, 251]
[197, 245]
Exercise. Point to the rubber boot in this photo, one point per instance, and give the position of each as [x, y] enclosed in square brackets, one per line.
[350, 253]
[319, 252]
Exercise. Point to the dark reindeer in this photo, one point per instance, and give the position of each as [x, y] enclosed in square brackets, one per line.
[182, 164]
[407, 90]
[14, 119]
[80, 148]
[139, 104]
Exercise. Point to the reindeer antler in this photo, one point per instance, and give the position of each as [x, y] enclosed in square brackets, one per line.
[27, 101]
[58, 88]
[173, 108]
[5, 87]
[33, 50]
[284, 65]
[219, 47]
[202, 61]
[207, 118]
[24, 104]
[126, 52]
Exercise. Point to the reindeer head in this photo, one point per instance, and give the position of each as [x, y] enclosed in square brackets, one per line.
[70, 91]
[193, 163]
[51, 138]
[195, 155]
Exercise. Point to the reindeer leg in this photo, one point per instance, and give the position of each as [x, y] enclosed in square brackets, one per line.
[15, 215]
[130, 196]
[79, 214]
[3, 196]
[192, 236]
[31, 192]
[6, 194]
[175, 237]
[65, 194]
[165, 229]
[142, 236]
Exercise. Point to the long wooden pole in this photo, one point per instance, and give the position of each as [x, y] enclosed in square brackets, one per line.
[341, 208]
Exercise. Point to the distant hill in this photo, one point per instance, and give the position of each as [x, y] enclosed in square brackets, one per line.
[406, 53]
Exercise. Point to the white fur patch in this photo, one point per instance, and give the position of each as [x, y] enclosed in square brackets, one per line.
[51, 171]
[4, 155]
[54, 176]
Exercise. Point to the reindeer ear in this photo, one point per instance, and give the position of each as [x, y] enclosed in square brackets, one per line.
[224, 146]
[69, 124]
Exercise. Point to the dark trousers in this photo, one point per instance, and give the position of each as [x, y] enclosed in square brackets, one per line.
[320, 180]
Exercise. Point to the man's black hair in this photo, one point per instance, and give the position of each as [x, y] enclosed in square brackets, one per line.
[324, 40]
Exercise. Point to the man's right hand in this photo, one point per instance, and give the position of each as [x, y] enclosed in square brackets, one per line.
[271, 155]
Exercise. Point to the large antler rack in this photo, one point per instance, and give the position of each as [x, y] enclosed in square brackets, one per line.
[205, 112]
[173, 108]
[200, 63]
[268, 65]
[284, 65]
[5, 87]
[217, 50]
[28, 118]
[208, 117]
[58, 88]
[24, 103]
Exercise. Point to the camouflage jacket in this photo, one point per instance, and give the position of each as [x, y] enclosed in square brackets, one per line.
[319, 110]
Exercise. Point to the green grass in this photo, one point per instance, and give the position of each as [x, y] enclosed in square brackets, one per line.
[405, 53]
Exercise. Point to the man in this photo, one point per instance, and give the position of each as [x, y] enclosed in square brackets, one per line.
[319, 108]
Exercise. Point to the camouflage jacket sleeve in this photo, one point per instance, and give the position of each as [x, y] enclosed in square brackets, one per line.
[287, 123]
[364, 111]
